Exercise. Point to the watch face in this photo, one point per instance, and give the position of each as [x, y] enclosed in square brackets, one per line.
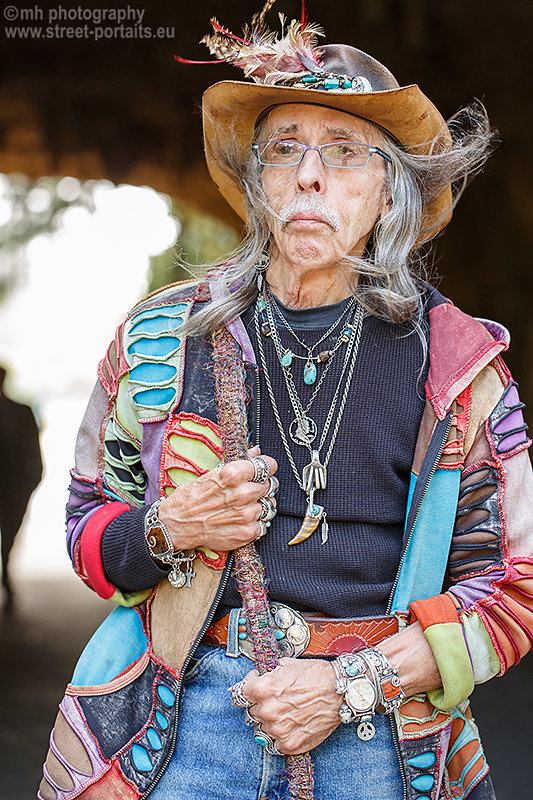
[361, 695]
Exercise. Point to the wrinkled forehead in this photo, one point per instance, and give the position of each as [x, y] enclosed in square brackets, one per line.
[292, 119]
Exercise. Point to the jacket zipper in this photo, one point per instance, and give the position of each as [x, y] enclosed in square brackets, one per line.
[207, 623]
[258, 405]
[398, 753]
[441, 443]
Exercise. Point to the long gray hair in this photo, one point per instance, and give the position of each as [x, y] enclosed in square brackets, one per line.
[385, 280]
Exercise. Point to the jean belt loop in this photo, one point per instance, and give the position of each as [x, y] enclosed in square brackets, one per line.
[232, 648]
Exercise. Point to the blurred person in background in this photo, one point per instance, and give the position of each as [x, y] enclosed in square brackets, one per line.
[20, 473]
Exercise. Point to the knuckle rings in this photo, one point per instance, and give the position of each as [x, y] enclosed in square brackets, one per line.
[274, 486]
[266, 741]
[263, 529]
[268, 509]
[237, 695]
[248, 719]
[262, 469]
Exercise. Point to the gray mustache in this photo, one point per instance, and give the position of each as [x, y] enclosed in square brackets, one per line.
[310, 204]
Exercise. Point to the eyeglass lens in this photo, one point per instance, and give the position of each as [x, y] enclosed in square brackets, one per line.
[335, 154]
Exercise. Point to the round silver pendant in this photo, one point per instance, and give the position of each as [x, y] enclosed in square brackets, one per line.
[366, 731]
[303, 431]
[177, 578]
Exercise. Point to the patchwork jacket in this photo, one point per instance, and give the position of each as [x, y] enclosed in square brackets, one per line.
[466, 570]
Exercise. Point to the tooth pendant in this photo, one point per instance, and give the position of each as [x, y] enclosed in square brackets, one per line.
[311, 522]
[313, 516]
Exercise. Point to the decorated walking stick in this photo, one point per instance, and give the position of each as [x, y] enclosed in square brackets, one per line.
[249, 571]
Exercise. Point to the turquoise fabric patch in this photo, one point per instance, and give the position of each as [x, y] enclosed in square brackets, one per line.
[140, 758]
[159, 323]
[426, 557]
[161, 720]
[165, 695]
[422, 760]
[117, 643]
[148, 372]
[154, 739]
[423, 783]
[157, 348]
[154, 398]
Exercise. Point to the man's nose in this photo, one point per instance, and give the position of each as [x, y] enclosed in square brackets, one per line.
[311, 172]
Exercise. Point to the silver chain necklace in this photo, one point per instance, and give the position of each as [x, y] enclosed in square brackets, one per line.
[303, 429]
[314, 474]
[310, 370]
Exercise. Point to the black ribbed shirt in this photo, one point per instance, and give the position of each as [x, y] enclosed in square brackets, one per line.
[352, 574]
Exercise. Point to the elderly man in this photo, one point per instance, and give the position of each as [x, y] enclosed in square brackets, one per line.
[396, 549]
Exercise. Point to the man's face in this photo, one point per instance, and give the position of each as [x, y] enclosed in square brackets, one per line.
[336, 208]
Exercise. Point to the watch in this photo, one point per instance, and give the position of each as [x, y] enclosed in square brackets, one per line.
[360, 695]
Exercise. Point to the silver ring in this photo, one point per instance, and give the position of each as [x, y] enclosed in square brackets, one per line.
[266, 741]
[262, 470]
[264, 528]
[237, 695]
[268, 509]
[274, 486]
[262, 738]
[248, 719]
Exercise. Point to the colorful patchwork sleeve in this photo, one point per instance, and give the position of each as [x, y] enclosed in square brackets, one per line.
[140, 381]
[484, 623]
[108, 479]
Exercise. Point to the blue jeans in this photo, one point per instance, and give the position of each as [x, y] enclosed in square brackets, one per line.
[216, 757]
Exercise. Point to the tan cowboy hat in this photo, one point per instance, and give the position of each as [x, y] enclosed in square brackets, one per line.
[336, 76]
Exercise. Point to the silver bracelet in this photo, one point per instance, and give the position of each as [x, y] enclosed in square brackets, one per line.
[161, 548]
[390, 689]
[366, 680]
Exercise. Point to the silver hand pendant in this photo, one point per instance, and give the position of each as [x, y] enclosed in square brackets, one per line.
[314, 475]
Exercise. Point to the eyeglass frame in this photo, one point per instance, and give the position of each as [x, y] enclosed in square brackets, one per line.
[318, 148]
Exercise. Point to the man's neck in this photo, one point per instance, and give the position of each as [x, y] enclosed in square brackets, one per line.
[307, 289]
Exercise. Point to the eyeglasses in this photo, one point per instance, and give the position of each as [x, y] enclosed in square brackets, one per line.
[347, 155]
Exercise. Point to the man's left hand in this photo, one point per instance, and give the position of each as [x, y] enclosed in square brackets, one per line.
[296, 704]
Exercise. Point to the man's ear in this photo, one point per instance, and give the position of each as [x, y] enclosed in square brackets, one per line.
[385, 205]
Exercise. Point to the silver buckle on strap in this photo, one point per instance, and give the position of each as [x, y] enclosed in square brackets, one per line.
[290, 629]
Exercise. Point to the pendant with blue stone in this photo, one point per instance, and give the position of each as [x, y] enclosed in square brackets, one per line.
[286, 358]
[310, 373]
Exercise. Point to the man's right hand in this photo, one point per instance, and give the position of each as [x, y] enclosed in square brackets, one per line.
[219, 510]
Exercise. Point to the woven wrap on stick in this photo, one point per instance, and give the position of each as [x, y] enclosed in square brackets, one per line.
[249, 571]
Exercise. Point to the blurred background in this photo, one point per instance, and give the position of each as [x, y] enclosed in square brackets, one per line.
[102, 185]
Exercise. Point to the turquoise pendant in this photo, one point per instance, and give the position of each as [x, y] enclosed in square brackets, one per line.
[286, 358]
[309, 373]
[261, 305]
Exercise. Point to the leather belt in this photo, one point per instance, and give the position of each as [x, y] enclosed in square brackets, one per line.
[300, 634]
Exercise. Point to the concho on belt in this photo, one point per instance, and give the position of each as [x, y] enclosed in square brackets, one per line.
[290, 629]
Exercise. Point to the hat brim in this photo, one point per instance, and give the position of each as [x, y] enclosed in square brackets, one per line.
[231, 108]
